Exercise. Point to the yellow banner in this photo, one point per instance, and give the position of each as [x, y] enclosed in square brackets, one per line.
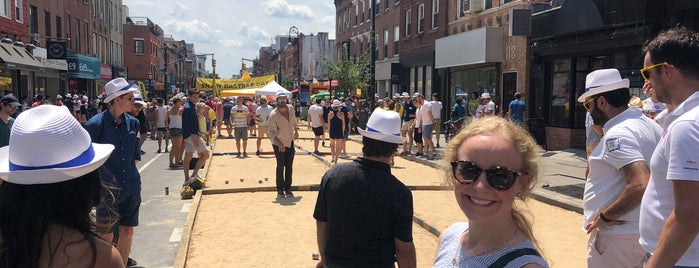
[223, 84]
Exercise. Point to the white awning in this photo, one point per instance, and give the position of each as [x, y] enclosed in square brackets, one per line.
[16, 57]
[482, 45]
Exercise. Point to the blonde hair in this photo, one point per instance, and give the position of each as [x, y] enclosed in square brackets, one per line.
[523, 143]
[200, 105]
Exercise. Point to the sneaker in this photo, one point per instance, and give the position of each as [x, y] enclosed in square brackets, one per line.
[280, 195]
[438, 145]
[418, 154]
[316, 152]
[196, 176]
[245, 154]
[257, 153]
[289, 194]
[131, 262]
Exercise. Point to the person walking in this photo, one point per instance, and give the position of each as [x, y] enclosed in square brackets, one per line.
[175, 122]
[473, 105]
[492, 163]
[315, 118]
[283, 130]
[336, 126]
[425, 125]
[669, 206]
[262, 117]
[487, 107]
[44, 208]
[8, 106]
[618, 171]
[239, 116]
[437, 114]
[190, 134]
[114, 126]
[227, 107]
[363, 212]
[516, 110]
[406, 130]
[161, 123]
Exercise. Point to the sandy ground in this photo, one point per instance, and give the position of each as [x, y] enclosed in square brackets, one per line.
[255, 229]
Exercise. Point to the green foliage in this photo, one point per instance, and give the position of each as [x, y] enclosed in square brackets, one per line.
[349, 75]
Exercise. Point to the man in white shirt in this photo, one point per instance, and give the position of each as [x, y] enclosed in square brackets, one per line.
[652, 107]
[262, 118]
[315, 118]
[487, 107]
[669, 210]
[618, 171]
[425, 124]
[437, 113]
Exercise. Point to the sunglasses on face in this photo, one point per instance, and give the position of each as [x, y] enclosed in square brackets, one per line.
[500, 178]
[645, 71]
[586, 104]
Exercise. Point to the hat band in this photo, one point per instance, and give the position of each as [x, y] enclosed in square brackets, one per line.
[138, 99]
[376, 131]
[593, 87]
[125, 88]
[80, 160]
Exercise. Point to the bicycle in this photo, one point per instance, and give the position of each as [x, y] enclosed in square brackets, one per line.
[452, 128]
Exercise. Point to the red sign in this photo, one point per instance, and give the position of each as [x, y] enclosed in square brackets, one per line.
[105, 71]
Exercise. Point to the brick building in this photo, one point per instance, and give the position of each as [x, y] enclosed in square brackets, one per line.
[143, 55]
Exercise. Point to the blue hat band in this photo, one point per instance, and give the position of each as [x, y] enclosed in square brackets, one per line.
[590, 88]
[80, 160]
[379, 132]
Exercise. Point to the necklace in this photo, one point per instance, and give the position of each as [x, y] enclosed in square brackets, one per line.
[455, 260]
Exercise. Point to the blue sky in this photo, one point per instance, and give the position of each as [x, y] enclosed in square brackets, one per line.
[234, 29]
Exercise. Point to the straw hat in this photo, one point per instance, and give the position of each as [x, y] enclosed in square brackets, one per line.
[485, 95]
[601, 81]
[383, 126]
[137, 98]
[47, 145]
[115, 88]
[336, 103]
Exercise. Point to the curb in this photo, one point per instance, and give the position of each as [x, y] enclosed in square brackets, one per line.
[183, 247]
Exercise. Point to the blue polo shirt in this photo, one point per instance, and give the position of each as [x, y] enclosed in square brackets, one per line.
[190, 123]
[518, 109]
[120, 169]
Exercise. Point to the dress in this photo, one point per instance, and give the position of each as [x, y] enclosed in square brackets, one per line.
[336, 127]
[449, 249]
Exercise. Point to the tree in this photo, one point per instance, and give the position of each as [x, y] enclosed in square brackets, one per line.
[350, 75]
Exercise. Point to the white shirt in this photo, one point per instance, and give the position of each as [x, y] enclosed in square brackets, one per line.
[315, 113]
[591, 137]
[652, 107]
[628, 137]
[675, 158]
[490, 106]
[424, 116]
[162, 114]
[263, 112]
[436, 109]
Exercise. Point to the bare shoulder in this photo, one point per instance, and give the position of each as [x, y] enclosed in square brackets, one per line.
[107, 255]
[73, 249]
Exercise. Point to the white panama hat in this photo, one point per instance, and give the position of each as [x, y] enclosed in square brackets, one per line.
[485, 95]
[383, 126]
[601, 81]
[336, 103]
[47, 145]
[115, 88]
[137, 98]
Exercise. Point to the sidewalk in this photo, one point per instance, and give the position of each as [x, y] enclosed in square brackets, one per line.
[561, 175]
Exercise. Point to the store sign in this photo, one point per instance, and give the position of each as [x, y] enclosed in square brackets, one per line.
[520, 22]
[83, 67]
[105, 71]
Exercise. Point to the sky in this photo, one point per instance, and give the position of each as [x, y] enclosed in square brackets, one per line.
[234, 29]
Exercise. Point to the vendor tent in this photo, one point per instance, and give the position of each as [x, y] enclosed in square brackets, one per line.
[271, 89]
[238, 92]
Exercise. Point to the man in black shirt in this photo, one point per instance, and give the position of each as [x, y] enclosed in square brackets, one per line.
[406, 130]
[227, 106]
[363, 213]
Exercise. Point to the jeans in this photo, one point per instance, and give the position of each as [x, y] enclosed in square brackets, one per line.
[285, 161]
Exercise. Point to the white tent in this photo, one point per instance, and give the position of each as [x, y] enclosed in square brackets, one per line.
[271, 89]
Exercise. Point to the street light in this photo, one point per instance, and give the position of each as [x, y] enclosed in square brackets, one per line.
[294, 30]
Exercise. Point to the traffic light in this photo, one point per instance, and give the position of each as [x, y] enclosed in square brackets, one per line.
[213, 63]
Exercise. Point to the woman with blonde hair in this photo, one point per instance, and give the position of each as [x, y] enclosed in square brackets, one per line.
[492, 162]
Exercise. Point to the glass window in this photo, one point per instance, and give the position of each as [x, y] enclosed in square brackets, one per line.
[412, 80]
[59, 27]
[428, 81]
[475, 80]
[560, 100]
[407, 22]
[47, 23]
[385, 43]
[138, 46]
[435, 14]
[561, 65]
[5, 8]
[421, 18]
[396, 37]
[19, 15]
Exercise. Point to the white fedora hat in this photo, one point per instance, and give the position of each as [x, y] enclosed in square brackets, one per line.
[336, 103]
[47, 145]
[383, 126]
[137, 98]
[485, 95]
[115, 88]
[601, 81]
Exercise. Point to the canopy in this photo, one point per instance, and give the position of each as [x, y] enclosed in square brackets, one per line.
[271, 89]
[320, 95]
[238, 92]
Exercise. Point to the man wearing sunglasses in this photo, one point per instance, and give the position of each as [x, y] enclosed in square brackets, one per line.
[618, 171]
[8, 106]
[283, 130]
[669, 210]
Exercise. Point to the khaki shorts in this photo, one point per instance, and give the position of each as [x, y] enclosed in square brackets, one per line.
[262, 132]
[190, 148]
[406, 125]
[437, 126]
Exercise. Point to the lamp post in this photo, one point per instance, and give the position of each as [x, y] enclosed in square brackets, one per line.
[294, 30]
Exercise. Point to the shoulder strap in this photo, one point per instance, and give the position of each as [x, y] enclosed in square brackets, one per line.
[512, 255]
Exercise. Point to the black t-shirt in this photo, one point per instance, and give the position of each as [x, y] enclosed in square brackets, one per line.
[142, 120]
[365, 208]
[227, 110]
[326, 112]
[408, 109]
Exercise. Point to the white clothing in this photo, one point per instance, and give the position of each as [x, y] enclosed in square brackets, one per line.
[652, 107]
[263, 112]
[417, 116]
[591, 137]
[175, 120]
[675, 158]
[315, 113]
[479, 112]
[436, 109]
[162, 114]
[490, 106]
[423, 114]
[628, 137]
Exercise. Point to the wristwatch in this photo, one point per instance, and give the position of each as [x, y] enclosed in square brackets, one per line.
[604, 219]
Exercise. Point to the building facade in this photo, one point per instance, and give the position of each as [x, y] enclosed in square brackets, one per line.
[143, 54]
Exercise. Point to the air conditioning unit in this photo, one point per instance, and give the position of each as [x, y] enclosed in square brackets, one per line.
[474, 6]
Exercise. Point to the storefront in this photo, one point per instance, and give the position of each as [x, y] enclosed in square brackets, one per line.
[17, 68]
[50, 81]
[105, 76]
[83, 72]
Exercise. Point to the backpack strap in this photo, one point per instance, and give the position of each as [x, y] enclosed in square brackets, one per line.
[512, 255]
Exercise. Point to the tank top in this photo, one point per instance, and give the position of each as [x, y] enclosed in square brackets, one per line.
[162, 113]
[449, 249]
[175, 121]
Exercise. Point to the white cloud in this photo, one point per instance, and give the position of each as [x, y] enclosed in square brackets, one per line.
[231, 43]
[192, 30]
[179, 10]
[282, 9]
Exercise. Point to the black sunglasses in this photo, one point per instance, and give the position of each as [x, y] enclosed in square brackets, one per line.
[500, 178]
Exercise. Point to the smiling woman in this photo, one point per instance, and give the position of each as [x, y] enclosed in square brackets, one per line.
[492, 163]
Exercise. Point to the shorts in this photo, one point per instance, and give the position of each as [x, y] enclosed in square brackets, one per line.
[175, 132]
[227, 122]
[123, 211]
[427, 132]
[144, 129]
[161, 129]
[252, 123]
[406, 125]
[262, 132]
[241, 133]
[437, 126]
[417, 136]
[608, 250]
[318, 131]
[190, 148]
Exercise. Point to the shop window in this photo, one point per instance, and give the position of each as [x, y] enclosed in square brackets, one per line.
[560, 100]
